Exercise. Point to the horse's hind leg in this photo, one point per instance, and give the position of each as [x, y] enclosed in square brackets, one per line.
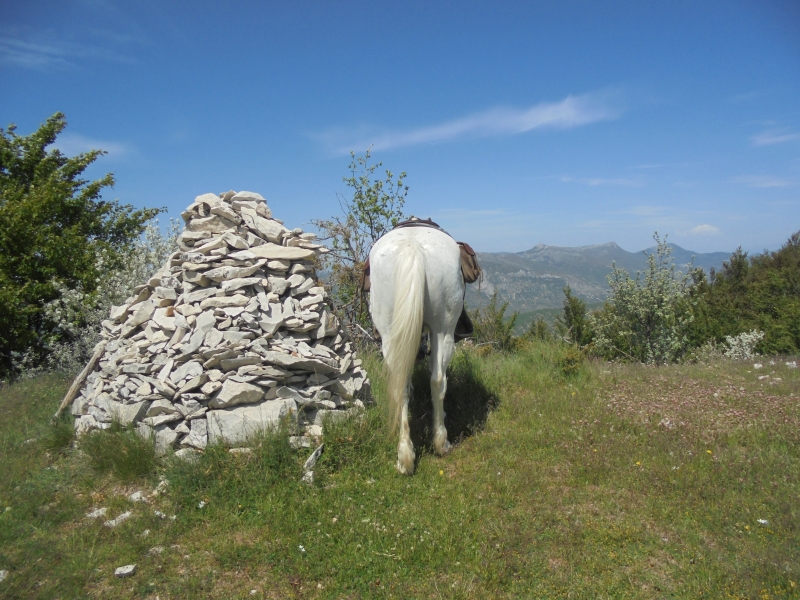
[405, 449]
[442, 350]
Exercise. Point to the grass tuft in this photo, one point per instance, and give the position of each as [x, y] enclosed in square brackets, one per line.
[58, 436]
[121, 451]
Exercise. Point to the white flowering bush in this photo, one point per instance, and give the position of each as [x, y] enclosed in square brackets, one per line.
[647, 318]
[743, 346]
[78, 315]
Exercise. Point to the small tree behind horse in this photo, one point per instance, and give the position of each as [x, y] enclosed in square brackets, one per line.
[416, 282]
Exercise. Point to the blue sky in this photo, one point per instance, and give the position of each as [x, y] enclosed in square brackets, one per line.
[564, 123]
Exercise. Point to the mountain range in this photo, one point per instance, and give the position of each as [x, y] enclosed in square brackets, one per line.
[534, 279]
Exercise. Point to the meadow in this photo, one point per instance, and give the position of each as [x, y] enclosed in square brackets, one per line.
[570, 478]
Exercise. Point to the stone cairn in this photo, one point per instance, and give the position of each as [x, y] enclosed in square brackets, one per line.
[231, 335]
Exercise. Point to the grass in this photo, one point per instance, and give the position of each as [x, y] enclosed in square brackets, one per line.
[569, 479]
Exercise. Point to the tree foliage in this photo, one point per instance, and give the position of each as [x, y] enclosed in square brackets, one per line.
[53, 227]
[752, 293]
[374, 208]
[646, 319]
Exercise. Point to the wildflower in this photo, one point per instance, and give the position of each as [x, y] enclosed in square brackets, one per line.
[638, 463]
[763, 521]
[302, 549]
[709, 451]
[441, 472]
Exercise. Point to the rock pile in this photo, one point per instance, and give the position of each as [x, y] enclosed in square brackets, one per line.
[230, 336]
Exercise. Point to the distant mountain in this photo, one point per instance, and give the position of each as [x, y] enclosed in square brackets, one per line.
[534, 279]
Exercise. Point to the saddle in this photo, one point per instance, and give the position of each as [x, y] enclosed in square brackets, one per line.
[470, 271]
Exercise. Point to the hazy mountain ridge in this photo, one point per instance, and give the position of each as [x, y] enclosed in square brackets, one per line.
[534, 279]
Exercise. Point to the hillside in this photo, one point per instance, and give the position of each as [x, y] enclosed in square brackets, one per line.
[534, 279]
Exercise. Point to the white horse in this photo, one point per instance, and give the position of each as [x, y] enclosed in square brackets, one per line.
[416, 282]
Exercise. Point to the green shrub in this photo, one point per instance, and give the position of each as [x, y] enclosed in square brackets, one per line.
[646, 319]
[492, 327]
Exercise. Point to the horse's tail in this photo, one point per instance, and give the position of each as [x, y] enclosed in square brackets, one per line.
[404, 336]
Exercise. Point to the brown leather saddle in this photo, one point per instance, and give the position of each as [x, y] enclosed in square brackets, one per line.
[470, 270]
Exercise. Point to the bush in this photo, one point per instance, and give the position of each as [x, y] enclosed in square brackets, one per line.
[491, 326]
[646, 319]
[573, 324]
[77, 315]
[743, 345]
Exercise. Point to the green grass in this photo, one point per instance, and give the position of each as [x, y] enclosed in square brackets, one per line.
[570, 479]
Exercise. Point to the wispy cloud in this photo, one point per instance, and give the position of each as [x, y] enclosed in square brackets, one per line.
[33, 52]
[74, 143]
[767, 138]
[763, 181]
[598, 181]
[704, 229]
[572, 111]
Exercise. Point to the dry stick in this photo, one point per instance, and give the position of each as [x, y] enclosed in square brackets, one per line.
[76, 385]
[364, 331]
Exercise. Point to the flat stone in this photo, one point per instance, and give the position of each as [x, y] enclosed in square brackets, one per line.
[311, 461]
[234, 241]
[304, 287]
[205, 321]
[221, 302]
[277, 285]
[198, 437]
[137, 368]
[248, 196]
[233, 393]
[231, 272]
[235, 284]
[119, 520]
[212, 224]
[125, 571]
[296, 362]
[191, 368]
[164, 439]
[128, 413]
[273, 252]
[195, 341]
[198, 296]
[230, 364]
[236, 425]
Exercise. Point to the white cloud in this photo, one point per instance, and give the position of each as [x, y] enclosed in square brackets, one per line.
[767, 138]
[74, 143]
[572, 111]
[47, 50]
[763, 181]
[703, 230]
[598, 181]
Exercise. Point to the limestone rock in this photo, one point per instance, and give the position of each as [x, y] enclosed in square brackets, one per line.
[235, 425]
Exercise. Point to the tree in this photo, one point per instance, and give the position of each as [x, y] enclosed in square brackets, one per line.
[647, 318]
[752, 293]
[573, 324]
[374, 208]
[491, 325]
[53, 227]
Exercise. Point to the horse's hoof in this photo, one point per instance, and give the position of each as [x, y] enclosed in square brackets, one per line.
[405, 470]
[405, 458]
[444, 448]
